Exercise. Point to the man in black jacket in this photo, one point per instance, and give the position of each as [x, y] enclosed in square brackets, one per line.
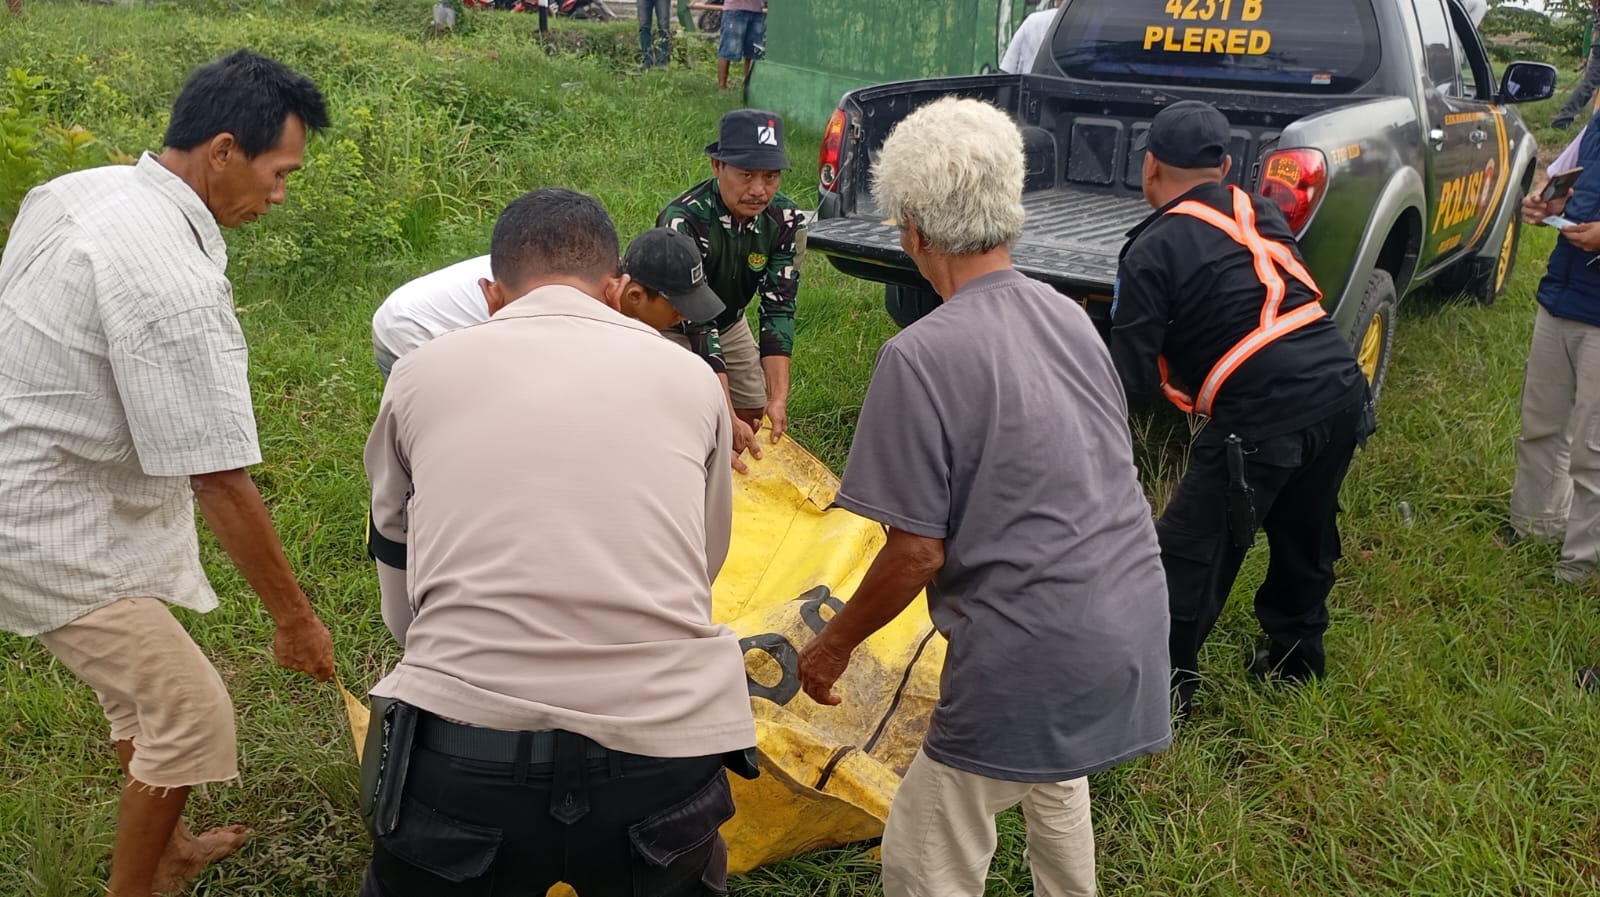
[1212, 289]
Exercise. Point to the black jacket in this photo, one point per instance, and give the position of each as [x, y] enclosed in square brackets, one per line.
[1187, 291]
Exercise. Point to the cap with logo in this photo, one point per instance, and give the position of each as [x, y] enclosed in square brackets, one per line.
[664, 261]
[751, 139]
[1188, 134]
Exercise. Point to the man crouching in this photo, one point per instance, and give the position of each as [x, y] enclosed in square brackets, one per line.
[565, 705]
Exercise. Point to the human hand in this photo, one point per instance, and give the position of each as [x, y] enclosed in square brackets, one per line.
[744, 438]
[777, 414]
[1536, 210]
[304, 646]
[820, 666]
[1584, 236]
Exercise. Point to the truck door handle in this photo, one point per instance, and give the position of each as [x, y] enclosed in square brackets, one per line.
[1436, 137]
[1478, 137]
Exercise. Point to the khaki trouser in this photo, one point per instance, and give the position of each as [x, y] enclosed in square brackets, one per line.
[940, 835]
[157, 689]
[1556, 495]
[747, 382]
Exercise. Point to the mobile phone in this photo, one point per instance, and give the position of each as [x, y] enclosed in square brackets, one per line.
[1559, 184]
[1556, 221]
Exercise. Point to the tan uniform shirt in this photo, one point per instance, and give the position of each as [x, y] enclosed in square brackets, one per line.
[571, 504]
[122, 373]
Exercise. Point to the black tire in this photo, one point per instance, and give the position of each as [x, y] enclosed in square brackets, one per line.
[710, 22]
[908, 304]
[1372, 334]
[1485, 279]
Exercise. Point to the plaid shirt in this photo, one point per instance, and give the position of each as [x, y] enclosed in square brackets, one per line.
[122, 373]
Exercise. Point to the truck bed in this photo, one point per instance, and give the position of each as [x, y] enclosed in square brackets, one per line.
[1071, 239]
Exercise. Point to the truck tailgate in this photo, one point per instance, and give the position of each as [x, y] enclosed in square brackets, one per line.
[1070, 241]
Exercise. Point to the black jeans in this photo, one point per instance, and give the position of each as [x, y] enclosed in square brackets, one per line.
[1296, 478]
[474, 829]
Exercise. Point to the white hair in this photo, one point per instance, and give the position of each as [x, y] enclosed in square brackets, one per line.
[955, 168]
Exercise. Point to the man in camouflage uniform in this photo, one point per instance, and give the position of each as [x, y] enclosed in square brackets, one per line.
[750, 237]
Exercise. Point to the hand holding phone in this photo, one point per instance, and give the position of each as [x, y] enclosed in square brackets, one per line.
[1559, 184]
[1559, 223]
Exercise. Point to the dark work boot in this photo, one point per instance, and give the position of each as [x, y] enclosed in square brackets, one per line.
[1300, 662]
[1184, 685]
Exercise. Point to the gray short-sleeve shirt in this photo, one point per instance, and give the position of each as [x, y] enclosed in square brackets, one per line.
[997, 423]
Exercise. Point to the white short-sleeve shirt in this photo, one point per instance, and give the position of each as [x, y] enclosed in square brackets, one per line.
[430, 305]
[123, 372]
[1027, 40]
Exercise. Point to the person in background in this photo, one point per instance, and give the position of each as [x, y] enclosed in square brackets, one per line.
[1583, 91]
[124, 401]
[1028, 38]
[1556, 494]
[657, 50]
[744, 36]
[994, 448]
[749, 236]
[569, 704]
[1212, 284]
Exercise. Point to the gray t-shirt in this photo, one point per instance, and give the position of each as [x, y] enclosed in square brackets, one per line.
[997, 424]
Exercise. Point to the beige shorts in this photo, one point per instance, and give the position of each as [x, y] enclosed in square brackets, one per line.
[747, 382]
[157, 689]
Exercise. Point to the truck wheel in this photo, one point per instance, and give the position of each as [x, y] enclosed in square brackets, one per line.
[1506, 261]
[1484, 279]
[1372, 337]
[908, 304]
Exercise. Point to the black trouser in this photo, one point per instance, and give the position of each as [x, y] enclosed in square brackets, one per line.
[607, 823]
[1296, 478]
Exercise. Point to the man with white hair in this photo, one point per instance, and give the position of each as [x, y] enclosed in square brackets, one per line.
[994, 446]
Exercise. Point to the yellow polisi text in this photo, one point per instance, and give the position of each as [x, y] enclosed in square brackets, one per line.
[1458, 201]
[1233, 41]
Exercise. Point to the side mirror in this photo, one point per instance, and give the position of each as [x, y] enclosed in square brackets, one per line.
[1527, 82]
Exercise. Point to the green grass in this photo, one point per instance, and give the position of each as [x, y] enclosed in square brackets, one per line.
[1447, 754]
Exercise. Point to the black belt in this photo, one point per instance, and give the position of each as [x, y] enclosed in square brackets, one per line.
[494, 745]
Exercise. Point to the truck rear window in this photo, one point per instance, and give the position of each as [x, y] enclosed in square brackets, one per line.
[1325, 47]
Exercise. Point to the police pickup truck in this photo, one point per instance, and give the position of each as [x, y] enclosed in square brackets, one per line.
[1377, 126]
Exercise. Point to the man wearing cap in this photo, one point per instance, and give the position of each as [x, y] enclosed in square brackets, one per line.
[1211, 288]
[565, 706]
[750, 237]
[664, 282]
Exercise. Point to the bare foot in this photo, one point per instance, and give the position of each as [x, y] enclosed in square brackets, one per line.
[188, 855]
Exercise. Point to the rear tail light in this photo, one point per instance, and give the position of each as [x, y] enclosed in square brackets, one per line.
[832, 146]
[1295, 179]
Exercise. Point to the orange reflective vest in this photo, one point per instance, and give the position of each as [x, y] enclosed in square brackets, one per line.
[1272, 261]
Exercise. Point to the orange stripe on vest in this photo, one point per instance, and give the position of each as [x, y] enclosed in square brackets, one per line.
[1269, 258]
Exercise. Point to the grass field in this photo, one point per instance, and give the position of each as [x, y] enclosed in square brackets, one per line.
[1447, 754]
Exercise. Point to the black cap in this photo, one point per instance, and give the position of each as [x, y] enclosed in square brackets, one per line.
[1187, 134]
[752, 139]
[667, 262]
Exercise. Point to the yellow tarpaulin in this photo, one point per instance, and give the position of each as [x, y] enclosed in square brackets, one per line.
[827, 773]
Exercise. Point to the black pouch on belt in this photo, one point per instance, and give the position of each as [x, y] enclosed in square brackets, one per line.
[745, 764]
[384, 760]
[1241, 498]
